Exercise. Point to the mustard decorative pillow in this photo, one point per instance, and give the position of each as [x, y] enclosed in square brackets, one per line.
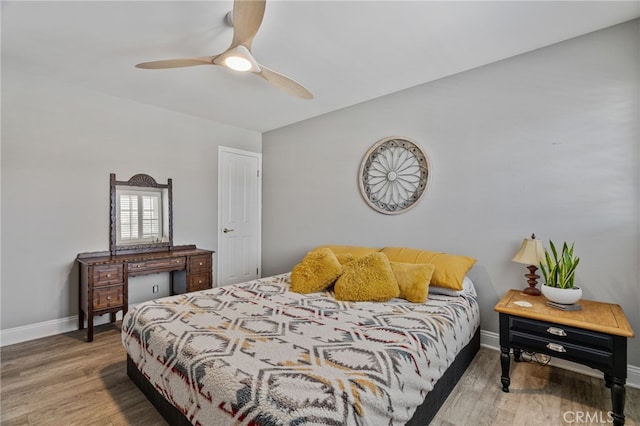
[316, 272]
[450, 269]
[356, 251]
[369, 278]
[344, 258]
[413, 280]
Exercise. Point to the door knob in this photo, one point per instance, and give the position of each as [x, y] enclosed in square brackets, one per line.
[226, 230]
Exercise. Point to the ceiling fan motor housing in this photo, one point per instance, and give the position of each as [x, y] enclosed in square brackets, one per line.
[228, 18]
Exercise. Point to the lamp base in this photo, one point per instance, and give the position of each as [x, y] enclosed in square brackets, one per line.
[532, 281]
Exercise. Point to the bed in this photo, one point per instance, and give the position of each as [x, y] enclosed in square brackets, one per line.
[256, 353]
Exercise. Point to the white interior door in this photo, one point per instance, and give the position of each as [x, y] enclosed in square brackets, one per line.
[239, 215]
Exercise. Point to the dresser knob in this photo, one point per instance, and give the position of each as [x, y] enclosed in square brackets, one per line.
[556, 347]
[108, 297]
[199, 281]
[108, 275]
[556, 331]
[200, 263]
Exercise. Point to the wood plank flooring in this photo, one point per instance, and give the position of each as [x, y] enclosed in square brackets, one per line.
[62, 380]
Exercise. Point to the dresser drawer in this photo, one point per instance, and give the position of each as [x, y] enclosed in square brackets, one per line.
[156, 265]
[108, 274]
[563, 333]
[530, 342]
[199, 281]
[108, 297]
[200, 263]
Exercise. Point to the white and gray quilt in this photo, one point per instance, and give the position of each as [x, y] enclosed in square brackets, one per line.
[258, 354]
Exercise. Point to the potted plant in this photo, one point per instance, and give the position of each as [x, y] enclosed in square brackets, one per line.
[559, 275]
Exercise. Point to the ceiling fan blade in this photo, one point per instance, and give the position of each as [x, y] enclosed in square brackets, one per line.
[247, 18]
[177, 63]
[282, 82]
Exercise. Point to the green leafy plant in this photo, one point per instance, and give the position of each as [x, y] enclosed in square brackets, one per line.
[559, 271]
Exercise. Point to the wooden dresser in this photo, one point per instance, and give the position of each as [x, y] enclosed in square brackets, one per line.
[104, 277]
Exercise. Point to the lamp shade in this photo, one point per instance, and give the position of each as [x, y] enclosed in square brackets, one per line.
[531, 252]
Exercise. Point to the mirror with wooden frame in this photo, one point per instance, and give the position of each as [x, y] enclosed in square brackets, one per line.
[141, 215]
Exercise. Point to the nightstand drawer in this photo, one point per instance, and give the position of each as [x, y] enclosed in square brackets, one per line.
[561, 349]
[563, 333]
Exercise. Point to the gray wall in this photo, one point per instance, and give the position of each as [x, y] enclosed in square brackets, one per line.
[59, 144]
[546, 142]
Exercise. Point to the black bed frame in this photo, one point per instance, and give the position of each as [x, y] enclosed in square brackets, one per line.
[423, 415]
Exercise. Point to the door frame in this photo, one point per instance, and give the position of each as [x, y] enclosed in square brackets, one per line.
[258, 156]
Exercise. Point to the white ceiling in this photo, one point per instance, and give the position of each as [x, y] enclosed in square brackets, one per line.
[345, 52]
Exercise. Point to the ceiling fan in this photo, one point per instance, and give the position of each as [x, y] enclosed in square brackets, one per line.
[247, 18]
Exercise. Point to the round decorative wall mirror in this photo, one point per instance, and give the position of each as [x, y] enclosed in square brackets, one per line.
[393, 175]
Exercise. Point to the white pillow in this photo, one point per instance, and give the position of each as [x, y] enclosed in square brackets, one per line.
[467, 288]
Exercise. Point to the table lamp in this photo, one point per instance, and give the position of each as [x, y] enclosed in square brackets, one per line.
[531, 253]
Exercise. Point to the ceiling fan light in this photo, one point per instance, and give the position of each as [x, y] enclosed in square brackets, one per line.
[238, 63]
[238, 59]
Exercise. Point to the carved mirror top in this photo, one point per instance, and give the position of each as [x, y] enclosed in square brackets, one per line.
[142, 180]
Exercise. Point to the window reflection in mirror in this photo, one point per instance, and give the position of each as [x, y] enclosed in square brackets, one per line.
[140, 214]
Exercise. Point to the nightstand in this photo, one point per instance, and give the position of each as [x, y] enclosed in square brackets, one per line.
[595, 336]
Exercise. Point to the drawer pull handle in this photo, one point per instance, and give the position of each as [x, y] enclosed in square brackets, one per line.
[108, 275]
[556, 347]
[177, 261]
[200, 263]
[556, 331]
[199, 281]
[108, 297]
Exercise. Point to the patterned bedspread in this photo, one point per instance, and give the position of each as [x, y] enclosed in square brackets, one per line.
[257, 354]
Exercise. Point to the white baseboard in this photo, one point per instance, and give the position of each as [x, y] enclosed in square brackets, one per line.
[488, 339]
[24, 333]
[491, 340]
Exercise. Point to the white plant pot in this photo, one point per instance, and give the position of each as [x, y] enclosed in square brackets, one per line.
[566, 296]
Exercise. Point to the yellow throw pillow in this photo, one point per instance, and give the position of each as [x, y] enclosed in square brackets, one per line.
[450, 269]
[356, 251]
[344, 258]
[317, 271]
[369, 278]
[413, 280]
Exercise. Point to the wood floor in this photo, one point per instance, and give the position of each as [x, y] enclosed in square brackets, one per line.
[62, 380]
